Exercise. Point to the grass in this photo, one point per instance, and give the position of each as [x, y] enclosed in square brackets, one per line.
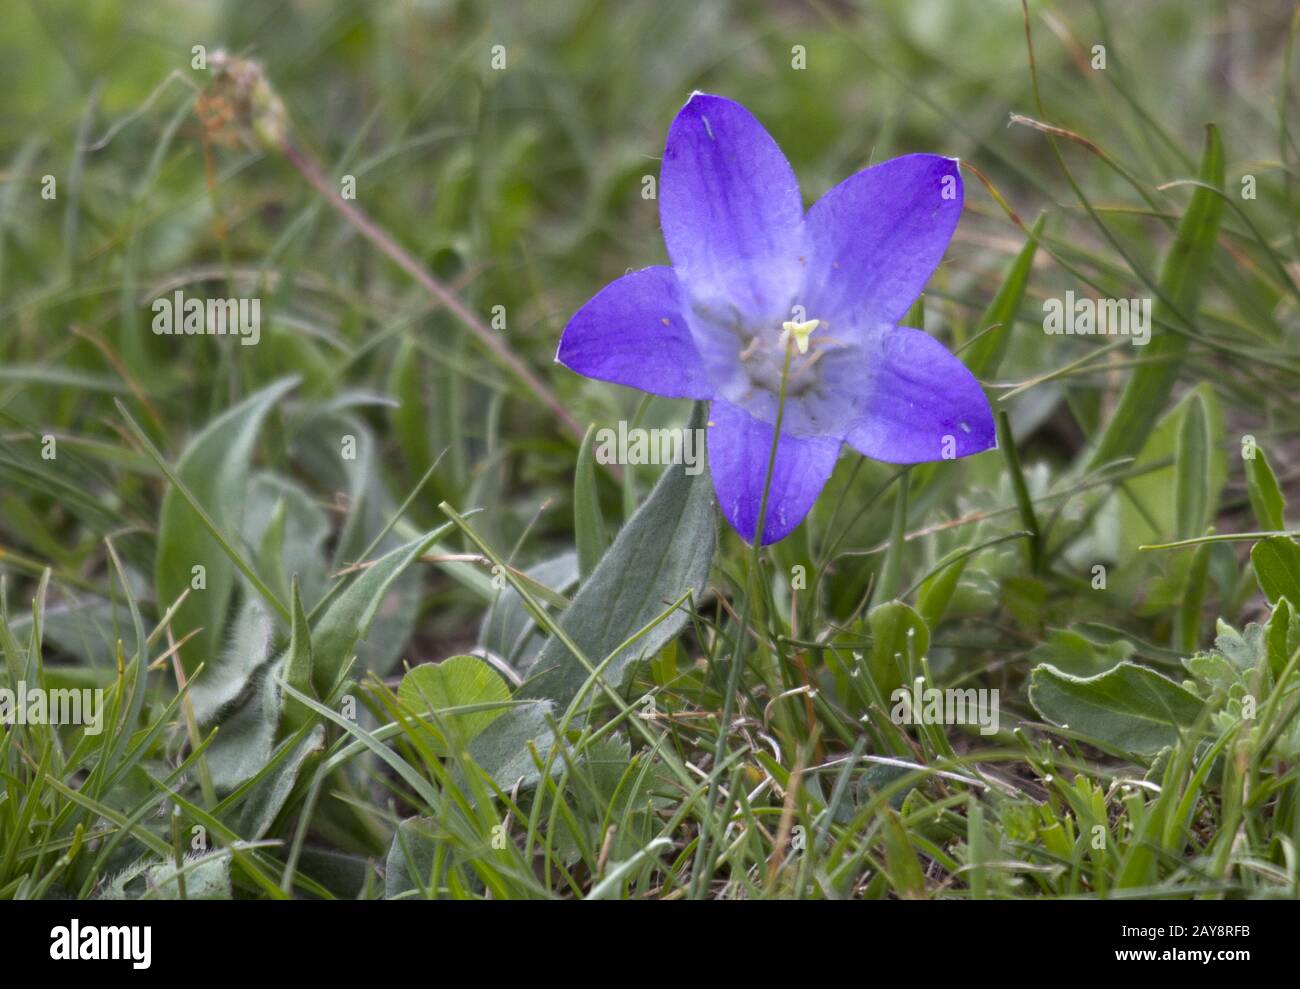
[310, 575]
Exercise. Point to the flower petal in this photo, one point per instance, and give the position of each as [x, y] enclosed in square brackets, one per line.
[921, 402]
[730, 209]
[739, 449]
[875, 239]
[633, 333]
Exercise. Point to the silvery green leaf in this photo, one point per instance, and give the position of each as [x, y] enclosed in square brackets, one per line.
[507, 629]
[663, 552]
[1128, 709]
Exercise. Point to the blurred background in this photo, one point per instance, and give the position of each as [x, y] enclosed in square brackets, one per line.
[510, 149]
[507, 147]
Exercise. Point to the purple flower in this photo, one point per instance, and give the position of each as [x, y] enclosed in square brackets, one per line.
[752, 270]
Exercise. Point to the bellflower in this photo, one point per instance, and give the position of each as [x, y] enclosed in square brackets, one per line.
[753, 276]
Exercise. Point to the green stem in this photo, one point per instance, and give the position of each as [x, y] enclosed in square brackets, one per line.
[699, 874]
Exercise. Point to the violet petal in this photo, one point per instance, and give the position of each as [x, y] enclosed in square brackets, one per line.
[739, 449]
[920, 403]
[731, 212]
[633, 333]
[875, 239]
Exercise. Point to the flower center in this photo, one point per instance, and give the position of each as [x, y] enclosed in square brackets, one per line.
[763, 363]
[799, 331]
[811, 371]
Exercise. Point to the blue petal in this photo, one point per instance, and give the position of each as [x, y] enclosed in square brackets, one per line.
[920, 403]
[739, 449]
[731, 213]
[875, 239]
[633, 333]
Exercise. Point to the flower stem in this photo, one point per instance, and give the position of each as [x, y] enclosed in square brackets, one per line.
[699, 875]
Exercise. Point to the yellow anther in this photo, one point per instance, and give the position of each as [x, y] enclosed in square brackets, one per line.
[799, 331]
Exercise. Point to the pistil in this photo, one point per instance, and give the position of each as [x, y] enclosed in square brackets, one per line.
[799, 332]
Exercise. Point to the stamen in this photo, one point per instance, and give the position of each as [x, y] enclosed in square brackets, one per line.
[806, 366]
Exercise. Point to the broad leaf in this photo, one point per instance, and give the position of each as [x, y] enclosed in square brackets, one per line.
[1071, 652]
[459, 681]
[502, 749]
[215, 469]
[899, 638]
[507, 629]
[1128, 709]
[1277, 566]
[348, 617]
[663, 552]
[1266, 499]
[265, 800]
